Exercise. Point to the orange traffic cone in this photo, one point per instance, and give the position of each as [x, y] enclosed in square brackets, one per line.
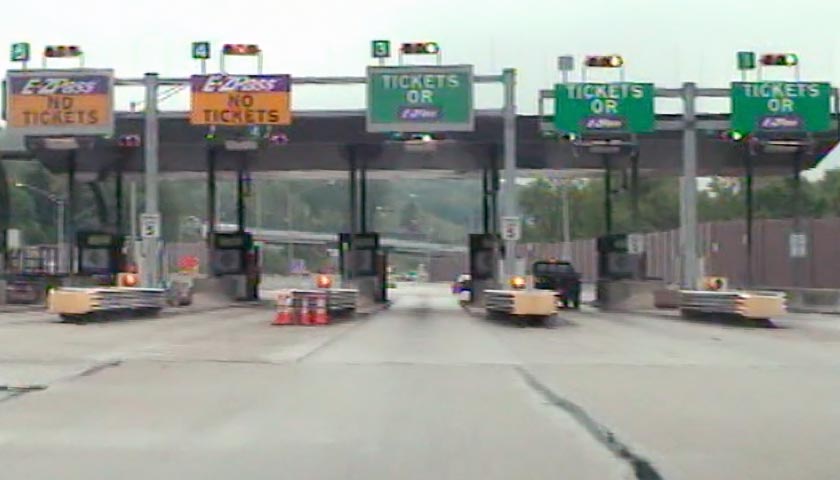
[284, 309]
[321, 317]
[303, 311]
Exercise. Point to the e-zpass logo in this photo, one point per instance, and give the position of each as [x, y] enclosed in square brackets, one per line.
[57, 86]
[237, 83]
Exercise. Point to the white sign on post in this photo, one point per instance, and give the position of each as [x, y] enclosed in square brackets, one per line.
[150, 225]
[511, 228]
[635, 244]
[13, 241]
[798, 245]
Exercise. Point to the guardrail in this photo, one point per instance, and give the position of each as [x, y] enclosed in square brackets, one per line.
[521, 302]
[72, 303]
[747, 305]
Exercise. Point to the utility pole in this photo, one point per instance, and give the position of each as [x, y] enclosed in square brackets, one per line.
[688, 192]
[509, 193]
[150, 271]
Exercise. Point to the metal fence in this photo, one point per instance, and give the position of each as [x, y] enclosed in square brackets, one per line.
[722, 247]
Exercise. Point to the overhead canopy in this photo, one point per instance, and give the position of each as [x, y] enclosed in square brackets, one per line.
[331, 142]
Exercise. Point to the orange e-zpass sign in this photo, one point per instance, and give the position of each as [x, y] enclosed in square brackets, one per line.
[60, 102]
[233, 100]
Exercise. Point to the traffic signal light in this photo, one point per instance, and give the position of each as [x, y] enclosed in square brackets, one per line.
[779, 59]
[420, 48]
[129, 141]
[127, 279]
[278, 138]
[323, 281]
[604, 61]
[62, 51]
[241, 49]
[732, 135]
[415, 137]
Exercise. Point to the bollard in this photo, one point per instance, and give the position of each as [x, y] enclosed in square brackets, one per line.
[284, 309]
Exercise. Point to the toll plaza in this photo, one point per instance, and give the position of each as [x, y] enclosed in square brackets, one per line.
[418, 119]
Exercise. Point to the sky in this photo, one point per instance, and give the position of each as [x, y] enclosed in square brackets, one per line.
[666, 42]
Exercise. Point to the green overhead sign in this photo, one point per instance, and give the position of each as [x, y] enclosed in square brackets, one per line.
[781, 107]
[604, 107]
[420, 99]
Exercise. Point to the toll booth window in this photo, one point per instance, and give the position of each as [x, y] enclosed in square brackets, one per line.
[553, 268]
[365, 243]
[99, 240]
[229, 242]
[95, 259]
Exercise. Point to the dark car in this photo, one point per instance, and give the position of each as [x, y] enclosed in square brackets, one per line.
[560, 277]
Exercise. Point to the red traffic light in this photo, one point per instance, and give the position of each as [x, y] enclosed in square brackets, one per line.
[62, 51]
[779, 59]
[604, 61]
[129, 141]
[420, 48]
[240, 49]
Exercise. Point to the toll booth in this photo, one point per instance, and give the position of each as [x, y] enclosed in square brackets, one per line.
[623, 283]
[616, 261]
[484, 260]
[100, 254]
[233, 254]
[360, 263]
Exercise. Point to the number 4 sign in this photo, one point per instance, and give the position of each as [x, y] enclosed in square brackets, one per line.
[201, 50]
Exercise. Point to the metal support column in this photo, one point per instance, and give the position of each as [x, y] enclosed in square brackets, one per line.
[363, 203]
[494, 201]
[748, 167]
[119, 215]
[690, 270]
[150, 269]
[608, 221]
[70, 214]
[354, 198]
[797, 264]
[350, 256]
[240, 200]
[509, 191]
[485, 201]
[211, 194]
[634, 192]
[567, 221]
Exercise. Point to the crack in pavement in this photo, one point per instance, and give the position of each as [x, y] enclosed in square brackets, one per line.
[642, 468]
[95, 369]
[20, 390]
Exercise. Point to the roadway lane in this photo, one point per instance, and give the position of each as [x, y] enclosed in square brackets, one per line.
[422, 391]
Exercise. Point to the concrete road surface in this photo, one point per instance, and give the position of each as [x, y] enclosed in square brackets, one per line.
[420, 391]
